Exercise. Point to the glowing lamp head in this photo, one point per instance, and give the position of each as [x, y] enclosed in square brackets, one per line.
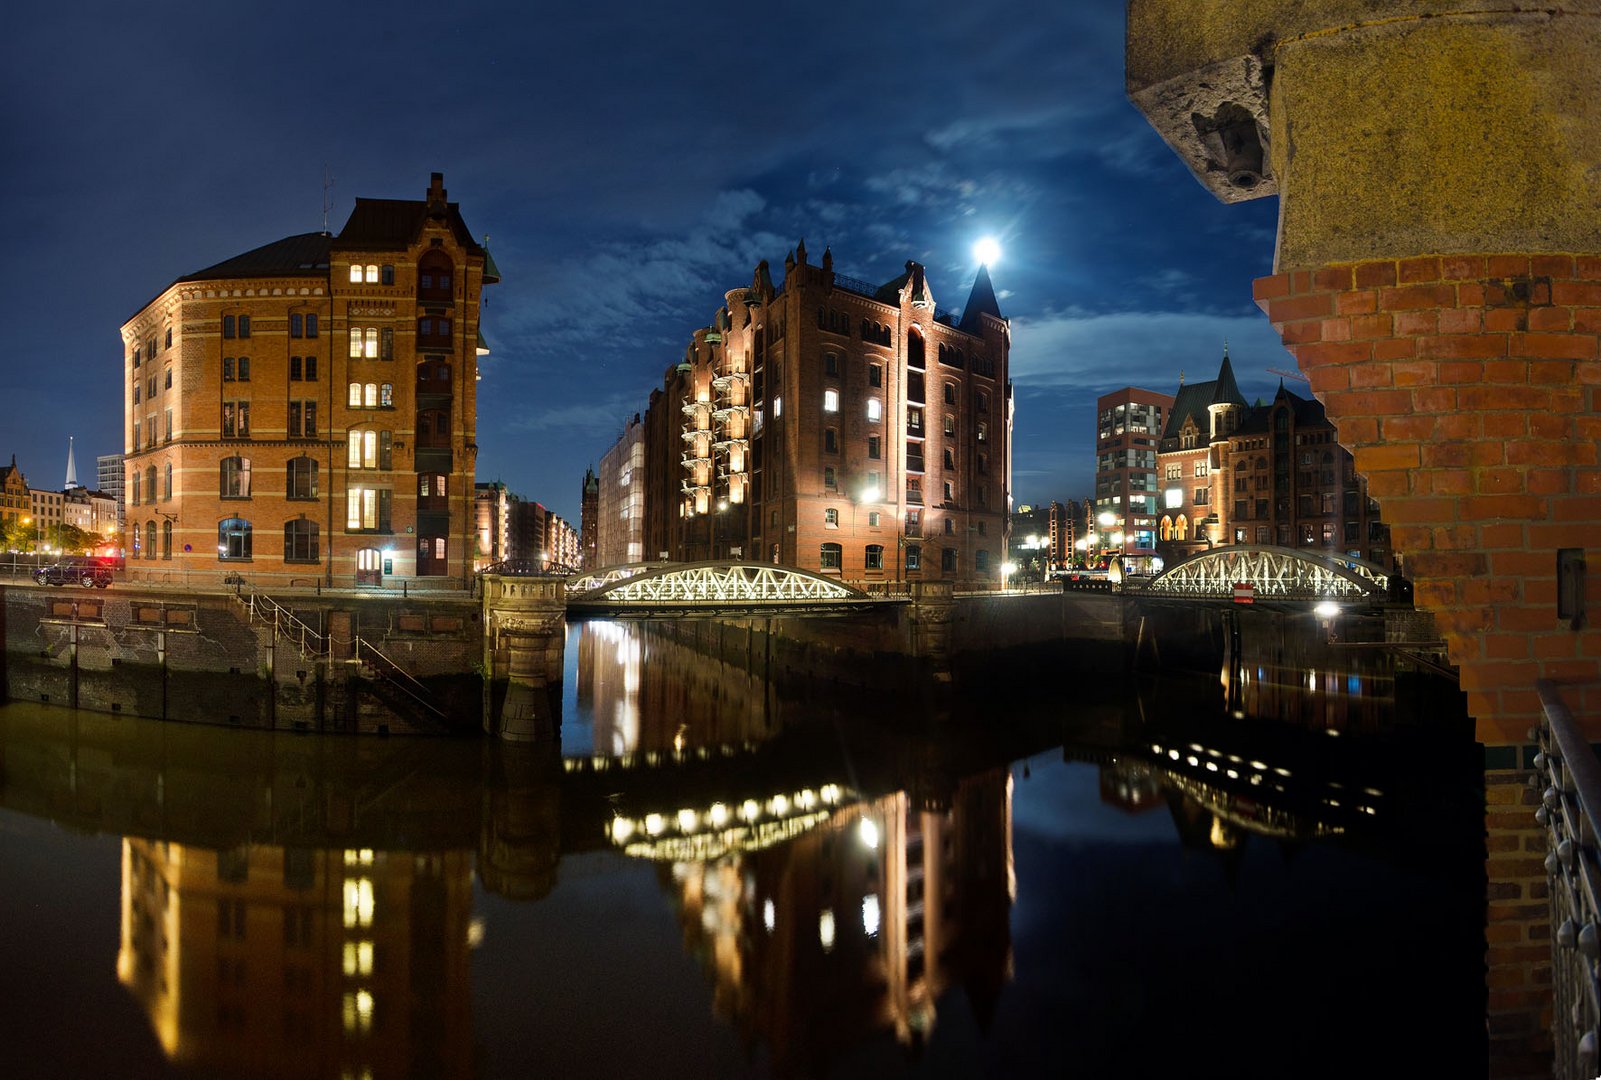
[987, 251]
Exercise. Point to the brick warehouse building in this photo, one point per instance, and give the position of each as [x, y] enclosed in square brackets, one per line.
[308, 409]
[836, 425]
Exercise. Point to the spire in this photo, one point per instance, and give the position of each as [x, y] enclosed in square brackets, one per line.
[828, 258]
[72, 467]
[1228, 391]
[981, 301]
[800, 252]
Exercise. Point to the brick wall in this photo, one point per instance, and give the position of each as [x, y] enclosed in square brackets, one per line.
[1465, 387]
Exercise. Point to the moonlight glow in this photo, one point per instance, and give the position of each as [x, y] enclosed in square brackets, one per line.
[987, 251]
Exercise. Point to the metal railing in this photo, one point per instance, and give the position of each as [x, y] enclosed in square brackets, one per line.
[1570, 813]
[381, 665]
[285, 624]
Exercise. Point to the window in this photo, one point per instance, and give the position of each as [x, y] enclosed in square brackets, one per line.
[914, 420]
[370, 450]
[981, 561]
[228, 369]
[947, 560]
[950, 493]
[983, 528]
[367, 509]
[914, 386]
[150, 539]
[875, 375]
[244, 326]
[875, 556]
[166, 482]
[983, 464]
[778, 407]
[167, 385]
[434, 272]
[166, 540]
[234, 478]
[233, 538]
[831, 401]
[386, 275]
[1165, 529]
[983, 430]
[874, 447]
[950, 426]
[138, 392]
[873, 518]
[1173, 472]
[914, 520]
[297, 324]
[1201, 468]
[950, 458]
[236, 419]
[875, 409]
[828, 476]
[168, 344]
[1328, 534]
[135, 479]
[950, 393]
[829, 557]
[302, 419]
[433, 331]
[830, 440]
[1202, 496]
[950, 527]
[228, 331]
[300, 481]
[831, 518]
[914, 556]
[431, 485]
[372, 343]
[311, 324]
[830, 364]
[300, 541]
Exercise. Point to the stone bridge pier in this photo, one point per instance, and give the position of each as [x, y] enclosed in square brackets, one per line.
[1438, 279]
[525, 632]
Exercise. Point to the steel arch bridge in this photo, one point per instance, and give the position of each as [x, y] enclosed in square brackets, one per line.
[1274, 573]
[710, 586]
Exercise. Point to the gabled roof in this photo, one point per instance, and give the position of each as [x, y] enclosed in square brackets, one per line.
[1308, 413]
[306, 253]
[1193, 401]
[981, 301]
[385, 224]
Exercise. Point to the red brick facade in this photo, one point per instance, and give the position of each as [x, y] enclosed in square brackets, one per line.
[1465, 387]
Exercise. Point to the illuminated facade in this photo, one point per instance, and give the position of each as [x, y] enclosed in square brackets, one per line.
[620, 499]
[265, 961]
[1193, 458]
[308, 409]
[587, 522]
[15, 503]
[839, 426]
[1128, 428]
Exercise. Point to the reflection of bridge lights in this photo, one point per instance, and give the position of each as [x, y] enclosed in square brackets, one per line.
[825, 929]
[869, 831]
[870, 915]
[1174, 754]
[475, 932]
[806, 799]
[718, 815]
[688, 820]
[1193, 760]
[779, 805]
[749, 810]
[830, 793]
[654, 824]
[769, 915]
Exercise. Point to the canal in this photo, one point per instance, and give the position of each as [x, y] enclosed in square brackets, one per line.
[1260, 871]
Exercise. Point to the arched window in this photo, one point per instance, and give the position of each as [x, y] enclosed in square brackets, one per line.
[150, 481]
[435, 277]
[135, 479]
[166, 539]
[135, 535]
[875, 556]
[233, 538]
[300, 541]
[300, 481]
[1181, 528]
[150, 539]
[1167, 528]
[914, 349]
[166, 485]
[234, 478]
[369, 566]
[829, 556]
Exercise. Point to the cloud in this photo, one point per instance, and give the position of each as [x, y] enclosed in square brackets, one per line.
[1097, 353]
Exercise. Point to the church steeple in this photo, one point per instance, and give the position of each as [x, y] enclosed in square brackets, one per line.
[72, 467]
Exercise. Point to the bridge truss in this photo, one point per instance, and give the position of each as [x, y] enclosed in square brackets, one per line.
[712, 585]
[1274, 573]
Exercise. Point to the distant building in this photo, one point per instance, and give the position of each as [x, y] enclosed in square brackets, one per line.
[15, 503]
[1128, 427]
[620, 499]
[1272, 474]
[1042, 539]
[492, 524]
[587, 514]
[309, 408]
[109, 472]
[840, 426]
[45, 508]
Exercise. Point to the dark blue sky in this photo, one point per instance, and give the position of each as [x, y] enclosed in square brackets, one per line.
[630, 162]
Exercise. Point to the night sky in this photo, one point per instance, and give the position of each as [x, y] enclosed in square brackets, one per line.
[630, 164]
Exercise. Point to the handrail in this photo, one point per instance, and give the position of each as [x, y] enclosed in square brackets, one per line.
[283, 619]
[1570, 814]
[397, 675]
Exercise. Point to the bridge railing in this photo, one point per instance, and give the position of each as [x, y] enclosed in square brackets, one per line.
[1570, 813]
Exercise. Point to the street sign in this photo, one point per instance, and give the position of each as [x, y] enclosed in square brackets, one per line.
[1244, 592]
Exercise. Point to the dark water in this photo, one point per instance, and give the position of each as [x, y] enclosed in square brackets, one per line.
[1078, 875]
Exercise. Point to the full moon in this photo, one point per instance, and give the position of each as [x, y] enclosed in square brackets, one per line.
[987, 251]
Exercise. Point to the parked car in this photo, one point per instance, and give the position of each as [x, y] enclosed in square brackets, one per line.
[91, 575]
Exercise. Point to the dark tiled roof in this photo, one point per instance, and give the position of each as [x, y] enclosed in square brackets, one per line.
[303, 254]
[1191, 400]
[1308, 413]
[382, 224]
[1228, 391]
[981, 301]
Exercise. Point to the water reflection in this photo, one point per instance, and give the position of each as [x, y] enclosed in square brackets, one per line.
[305, 906]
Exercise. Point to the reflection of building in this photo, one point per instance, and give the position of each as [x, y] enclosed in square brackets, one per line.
[587, 521]
[1128, 427]
[840, 426]
[278, 962]
[309, 408]
[859, 926]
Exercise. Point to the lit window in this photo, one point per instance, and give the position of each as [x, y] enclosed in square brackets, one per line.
[778, 407]
[363, 450]
[362, 508]
[372, 274]
[355, 273]
[831, 401]
[875, 556]
[829, 556]
[875, 409]
[369, 395]
[825, 929]
[358, 958]
[870, 915]
[873, 519]
[831, 518]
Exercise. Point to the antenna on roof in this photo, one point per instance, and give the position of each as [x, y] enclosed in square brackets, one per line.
[327, 195]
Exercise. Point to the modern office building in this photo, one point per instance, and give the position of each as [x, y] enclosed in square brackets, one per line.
[840, 426]
[1128, 428]
[620, 499]
[308, 409]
